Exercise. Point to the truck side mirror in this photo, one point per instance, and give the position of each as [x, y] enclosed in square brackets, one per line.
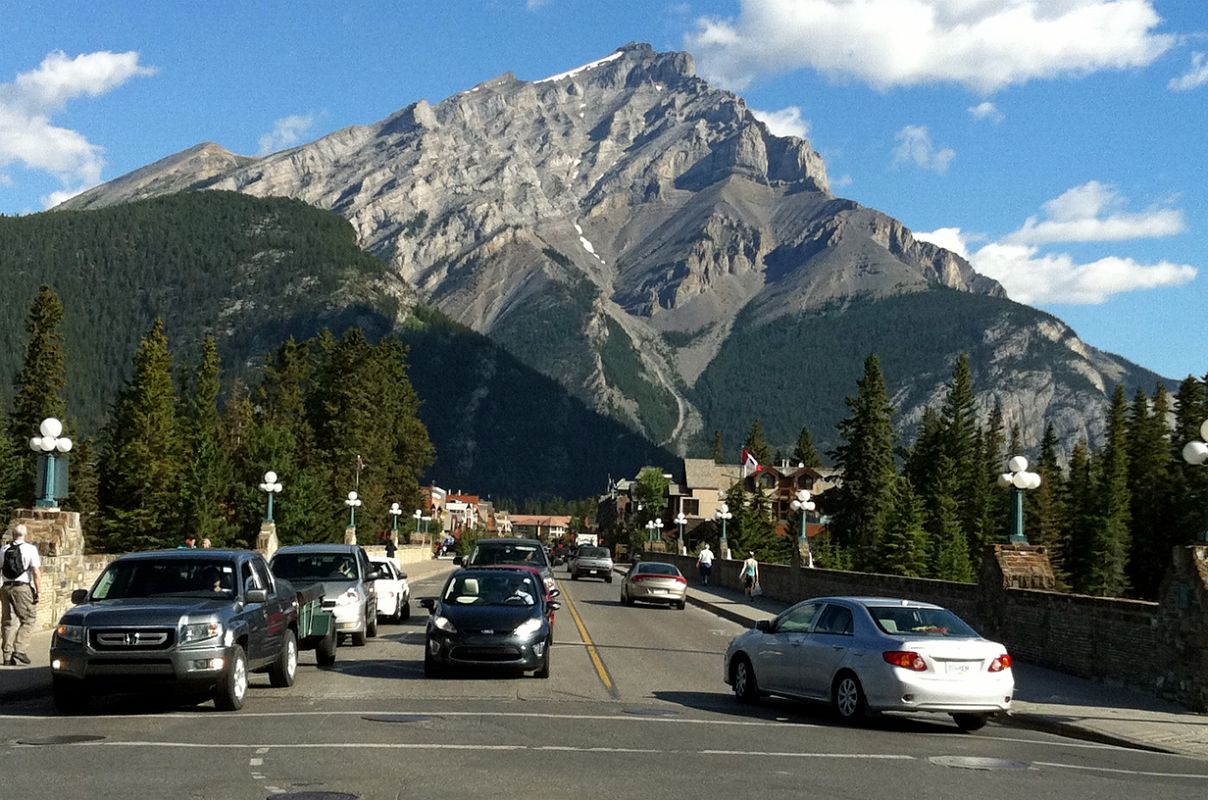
[256, 595]
[428, 603]
[79, 596]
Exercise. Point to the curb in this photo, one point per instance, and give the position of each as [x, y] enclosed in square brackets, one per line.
[1047, 724]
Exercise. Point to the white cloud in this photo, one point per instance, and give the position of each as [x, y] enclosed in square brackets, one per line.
[1030, 276]
[27, 135]
[984, 45]
[1091, 213]
[986, 110]
[786, 121]
[840, 182]
[915, 147]
[286, 132]
[1193, 78]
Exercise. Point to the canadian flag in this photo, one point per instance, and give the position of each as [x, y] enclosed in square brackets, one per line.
[749, 462]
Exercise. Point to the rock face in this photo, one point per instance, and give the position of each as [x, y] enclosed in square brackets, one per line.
[612, 226]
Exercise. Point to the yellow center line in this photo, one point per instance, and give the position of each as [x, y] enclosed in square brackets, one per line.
[592, 652]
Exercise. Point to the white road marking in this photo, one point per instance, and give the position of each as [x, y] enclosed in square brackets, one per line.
[882, 756]
[256, 762]
[261, 751]
[1116, 771]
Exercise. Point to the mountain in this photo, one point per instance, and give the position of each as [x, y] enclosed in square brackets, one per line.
[638, 235]
[254, 272]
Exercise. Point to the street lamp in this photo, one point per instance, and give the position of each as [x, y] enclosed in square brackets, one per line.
[270, 487]
[681, 521]
[652, 526]
[395, 511]
[1196, 453]
[50, 442]
[1019, 480]
[722, 514]
[803, 503]
[352, 502]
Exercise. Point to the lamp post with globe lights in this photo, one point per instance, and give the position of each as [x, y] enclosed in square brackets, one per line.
[395, 511]
[803, 503]
[1196, 454]
[681, 521]
[1019, 480]
[722, 514]
[270, 486]
[353, 502]
[654, 529]
[50, 442]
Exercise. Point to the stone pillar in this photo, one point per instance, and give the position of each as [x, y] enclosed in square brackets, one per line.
[350, 536]
[53, 532]
[1006, 567]
[1183, 628]
[266, 542]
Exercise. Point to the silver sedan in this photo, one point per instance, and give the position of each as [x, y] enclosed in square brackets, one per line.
[654, 582]
[873, 654]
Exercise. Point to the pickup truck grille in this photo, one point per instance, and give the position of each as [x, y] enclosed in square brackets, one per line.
[128, 639]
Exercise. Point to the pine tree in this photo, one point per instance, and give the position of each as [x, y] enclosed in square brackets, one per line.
[38, 387]
[1045, 515]
[1076, 550]
[1187, 492]
[904, 549]
[1111, 544]
[84, 485]
[1148, 468]
[718, 451]
[858, 505]
[143, 460]
[950, 546]
[757, 443]
[997, 503]
[805, 453]
[207, 477]
[961, 446]
[12, 470]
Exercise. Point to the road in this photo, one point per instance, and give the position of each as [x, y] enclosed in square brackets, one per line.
[640, 711]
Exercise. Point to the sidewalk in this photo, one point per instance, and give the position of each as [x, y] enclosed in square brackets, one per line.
[1044, 699]
[33, 681]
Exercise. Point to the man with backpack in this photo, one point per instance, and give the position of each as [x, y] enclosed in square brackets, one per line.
[20, 582]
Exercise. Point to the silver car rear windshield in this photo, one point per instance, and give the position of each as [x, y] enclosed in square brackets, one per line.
[911, 621]
[657, 569]
[593, 552]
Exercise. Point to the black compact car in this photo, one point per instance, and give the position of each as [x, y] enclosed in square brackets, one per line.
[489, 618]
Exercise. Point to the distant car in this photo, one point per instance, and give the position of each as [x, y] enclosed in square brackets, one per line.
[654, 582]
[489, 618]
[591, 561]
[347, 578]
[393, 591]
[874, 654]
[531, 552]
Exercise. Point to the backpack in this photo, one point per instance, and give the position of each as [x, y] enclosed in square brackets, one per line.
[14, 563]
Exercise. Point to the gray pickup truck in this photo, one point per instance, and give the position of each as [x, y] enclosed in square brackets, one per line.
[197, 621]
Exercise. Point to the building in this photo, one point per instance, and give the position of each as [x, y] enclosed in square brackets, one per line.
[539, 526]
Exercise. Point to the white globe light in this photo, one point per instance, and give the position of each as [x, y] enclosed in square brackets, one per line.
[51, 427]
[795, 505]
[1033, 480]
[35, 443]
[810, 506]
[63, 445]
[1195, 452]
[395, 509]
[49, 443]
[1004, 480]
[1020, 480]
[352, 495]
[1204, 430]
[277, 487]
[1017, 464]
[270, 477]
[263, 487]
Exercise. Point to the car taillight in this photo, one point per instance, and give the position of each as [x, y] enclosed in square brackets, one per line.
[1002, 662]
[906, 659]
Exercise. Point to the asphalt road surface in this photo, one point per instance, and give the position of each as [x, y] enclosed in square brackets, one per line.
[635, 708]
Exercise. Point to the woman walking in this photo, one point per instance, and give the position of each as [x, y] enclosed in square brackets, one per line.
[749, 575]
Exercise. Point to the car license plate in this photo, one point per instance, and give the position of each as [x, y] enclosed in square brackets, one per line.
[591, 572]
[658, 591]
[960, 667]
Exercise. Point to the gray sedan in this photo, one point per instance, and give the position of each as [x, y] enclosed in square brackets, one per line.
[873, 654]
[654, 582]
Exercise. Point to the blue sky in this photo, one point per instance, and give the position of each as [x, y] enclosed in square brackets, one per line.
[1060, 144]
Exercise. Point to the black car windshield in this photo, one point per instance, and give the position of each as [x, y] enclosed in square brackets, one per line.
[508, 553]
[657, 569]
[593, 552]
[498, 589]
[302, 567]
[912, 621]
[168, 577]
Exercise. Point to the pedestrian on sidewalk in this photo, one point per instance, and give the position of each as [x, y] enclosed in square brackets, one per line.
[748, 573]
[190, 543]
[20, 585]
[704, 562]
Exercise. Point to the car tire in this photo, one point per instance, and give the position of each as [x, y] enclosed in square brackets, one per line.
[359, 638]
[608, 578]
[432, 669]
[70, 695]
[283, 671]
[543, 670]
[231, 690]
[626, 599]
[746, 686]
[371, 625]
[404, 612]
[325, 652]
[847, 698]
[574, 576]
[681, 605]
[970, 722]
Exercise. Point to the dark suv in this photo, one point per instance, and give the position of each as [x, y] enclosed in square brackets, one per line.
[529, 552]
[197, 621]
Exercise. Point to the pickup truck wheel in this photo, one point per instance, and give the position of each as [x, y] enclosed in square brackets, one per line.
[608, 578]
[71, 696]
[325, 652]
[283, 671]
[231, 690]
